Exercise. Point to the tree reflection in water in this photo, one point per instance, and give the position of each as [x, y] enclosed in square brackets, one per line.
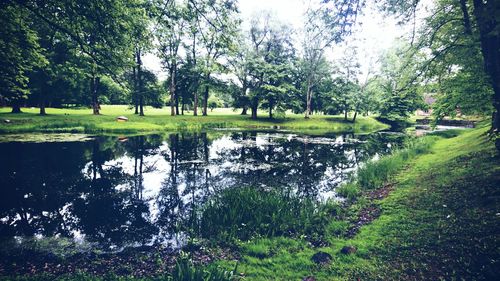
[150, 189]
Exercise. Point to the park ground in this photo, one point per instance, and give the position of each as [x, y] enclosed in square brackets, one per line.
[159, 120]
[437, 217]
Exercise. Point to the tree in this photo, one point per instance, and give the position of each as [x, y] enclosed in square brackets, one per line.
[277, 69]
[239, 63]
[20, 53]
[217, 27]
[268, 68]
[349, 70]
[260, 28]
[487, 21]
[326, 23]
[399, 85]
[172, 27]
[141, 41]
[214, 102]
[482, 28]
[101, 29]
[454, 66]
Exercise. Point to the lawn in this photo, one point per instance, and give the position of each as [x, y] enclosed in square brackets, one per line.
[158, 120]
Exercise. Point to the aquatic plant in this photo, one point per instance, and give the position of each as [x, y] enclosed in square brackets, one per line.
[243, 213]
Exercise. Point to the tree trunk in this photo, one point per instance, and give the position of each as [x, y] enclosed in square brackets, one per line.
[16, 107]
[195, 108]
[42, 104]
[466, 19]
[172, 91]
[141, 106]
[254, 111]
[490, 44]
[355, 115]
[243, 93]
[135, 100]
[205, 100]
[94, 88]
[308, 100]
[140, 84]
[244, 111]
[183, 105]
[270, 111]
[177, 104]
[345, 114]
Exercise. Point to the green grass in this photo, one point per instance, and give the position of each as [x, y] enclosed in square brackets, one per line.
[157, 120]
[439, 223]
[374, 174]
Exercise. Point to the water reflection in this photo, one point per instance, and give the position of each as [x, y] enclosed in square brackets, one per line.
[147, 189]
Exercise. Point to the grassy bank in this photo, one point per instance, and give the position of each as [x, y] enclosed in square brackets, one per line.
[439, 222]
[157, 120]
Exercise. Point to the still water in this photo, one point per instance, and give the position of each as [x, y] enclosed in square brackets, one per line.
[109, 193]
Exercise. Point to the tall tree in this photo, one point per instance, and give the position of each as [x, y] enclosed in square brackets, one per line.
[100, 28]
[400, 87]
[172, 26]
[483, 26]
[141, 40]
[20, 53]
[217, 27]
[327, 22]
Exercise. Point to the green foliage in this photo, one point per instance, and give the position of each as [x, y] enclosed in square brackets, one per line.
[349, 191]
[185, 270]
[112, 92]
[464, 87]
[214, 102]
[398, 84]
[243, 213]
[20, 53]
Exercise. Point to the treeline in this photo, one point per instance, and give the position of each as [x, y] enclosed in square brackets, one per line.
[65, 52]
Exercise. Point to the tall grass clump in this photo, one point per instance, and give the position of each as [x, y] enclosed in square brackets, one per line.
[375, 174]
[185, 270]
[244, 213]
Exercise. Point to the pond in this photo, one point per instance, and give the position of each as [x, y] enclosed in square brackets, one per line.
[109, 193]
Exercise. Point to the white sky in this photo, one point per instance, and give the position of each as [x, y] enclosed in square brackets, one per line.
[376, 33]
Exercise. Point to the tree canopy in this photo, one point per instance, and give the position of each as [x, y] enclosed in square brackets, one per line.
[61, 53]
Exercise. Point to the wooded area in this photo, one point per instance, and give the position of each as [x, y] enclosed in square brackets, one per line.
[73, 53]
